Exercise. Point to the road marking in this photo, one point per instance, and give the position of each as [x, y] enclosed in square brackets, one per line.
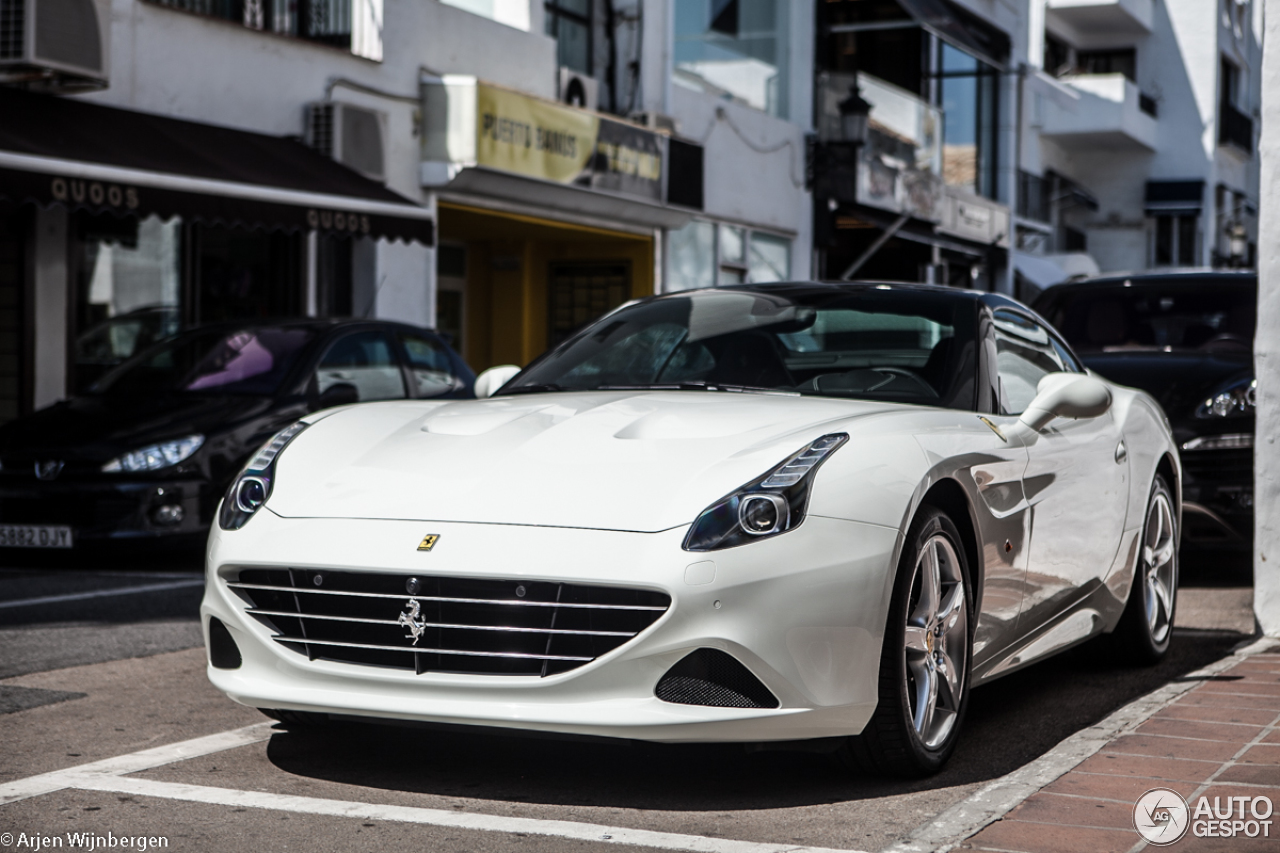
[100, 593]
[993, 801]
[133, 762]
[110, 775]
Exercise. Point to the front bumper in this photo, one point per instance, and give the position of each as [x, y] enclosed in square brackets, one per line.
[100, 510]
[804, 612]
[1217, 493]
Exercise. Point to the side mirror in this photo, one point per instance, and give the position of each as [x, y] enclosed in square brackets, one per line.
[1066, 395]
[491, 380]
[340, 394]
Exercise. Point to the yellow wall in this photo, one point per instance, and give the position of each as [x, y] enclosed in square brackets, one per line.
[508, 265]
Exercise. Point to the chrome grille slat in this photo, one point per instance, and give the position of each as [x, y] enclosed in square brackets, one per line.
[257, 612]
[476, 626]
[514, 601]
[304, 641]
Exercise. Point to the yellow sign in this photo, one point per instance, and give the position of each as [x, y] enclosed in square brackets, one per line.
[429, 542]
[539, 139]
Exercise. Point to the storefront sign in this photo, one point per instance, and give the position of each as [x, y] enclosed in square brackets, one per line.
[552, 142]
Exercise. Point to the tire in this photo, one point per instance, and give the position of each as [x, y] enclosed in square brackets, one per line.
[1146, 626]
[925, 659]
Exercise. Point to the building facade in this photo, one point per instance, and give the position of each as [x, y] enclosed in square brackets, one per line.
[503, 170]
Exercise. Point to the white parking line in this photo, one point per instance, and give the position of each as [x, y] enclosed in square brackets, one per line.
[110, 775]
[100, 593]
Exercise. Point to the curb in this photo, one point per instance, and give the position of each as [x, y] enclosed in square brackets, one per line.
[992, 802]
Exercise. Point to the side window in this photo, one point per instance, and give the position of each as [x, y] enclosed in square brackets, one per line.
[364, 360]
[429, 365]
[1025, 352]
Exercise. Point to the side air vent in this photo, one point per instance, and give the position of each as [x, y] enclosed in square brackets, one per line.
[712, 677]
[351, 135]
[55, 45]
[223, 652]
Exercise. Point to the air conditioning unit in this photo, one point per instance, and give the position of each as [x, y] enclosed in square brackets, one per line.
[656, 121]
[58, 45]
[579, 90]
[351, 135]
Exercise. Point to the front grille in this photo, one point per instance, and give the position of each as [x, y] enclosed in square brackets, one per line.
[463, 625]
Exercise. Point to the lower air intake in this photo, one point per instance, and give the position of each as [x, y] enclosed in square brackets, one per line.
[714, 678]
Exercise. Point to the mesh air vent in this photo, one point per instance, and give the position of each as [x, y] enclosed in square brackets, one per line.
[320, 128]
[13, 21]
[714, 678]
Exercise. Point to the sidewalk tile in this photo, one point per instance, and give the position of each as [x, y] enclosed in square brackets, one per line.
[1229, 700]
[1037, 838]
[1174, 769]
[1125, 789]
[1175, 747]
[1208, 714]
[1247, 687]
[1254, 774]
[1263, 753]
[1232, 732]
[1190, 844]
[1274, 737]
[1073, 811]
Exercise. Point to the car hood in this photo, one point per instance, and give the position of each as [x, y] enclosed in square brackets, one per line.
[96, 428]
[645, 461]
[1180, 381]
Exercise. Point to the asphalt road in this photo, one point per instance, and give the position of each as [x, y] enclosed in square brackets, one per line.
[103, 660]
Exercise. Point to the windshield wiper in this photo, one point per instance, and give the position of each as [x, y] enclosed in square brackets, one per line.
[699, 386]
[530, 389]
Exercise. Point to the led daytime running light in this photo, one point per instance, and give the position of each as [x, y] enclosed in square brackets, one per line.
[797, 468]
[264, 457]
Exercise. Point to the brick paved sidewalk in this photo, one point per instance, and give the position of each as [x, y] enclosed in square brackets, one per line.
[1220, 739]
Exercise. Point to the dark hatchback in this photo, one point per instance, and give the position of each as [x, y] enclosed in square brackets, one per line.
[147, 453]
[1187, 339]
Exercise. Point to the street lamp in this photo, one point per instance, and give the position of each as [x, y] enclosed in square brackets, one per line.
[854, 111]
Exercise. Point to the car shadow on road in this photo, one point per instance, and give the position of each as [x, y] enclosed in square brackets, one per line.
[1011, 722]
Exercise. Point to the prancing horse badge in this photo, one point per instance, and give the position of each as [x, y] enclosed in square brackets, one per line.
[428, 542]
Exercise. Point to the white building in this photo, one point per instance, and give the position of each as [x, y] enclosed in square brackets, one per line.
[1139, 142]
[154, 157]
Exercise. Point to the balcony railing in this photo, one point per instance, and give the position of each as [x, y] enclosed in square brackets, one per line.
[1235, 128]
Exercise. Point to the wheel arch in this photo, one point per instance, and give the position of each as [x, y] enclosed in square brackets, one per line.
[1169, 469]
[949, 496]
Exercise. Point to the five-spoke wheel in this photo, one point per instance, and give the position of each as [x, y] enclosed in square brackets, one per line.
[1147, 624]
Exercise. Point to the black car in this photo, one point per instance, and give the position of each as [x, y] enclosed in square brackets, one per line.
[147, 453]
[1187, 339]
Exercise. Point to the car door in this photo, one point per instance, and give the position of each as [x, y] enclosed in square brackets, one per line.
[365, 360]
[1076, 481]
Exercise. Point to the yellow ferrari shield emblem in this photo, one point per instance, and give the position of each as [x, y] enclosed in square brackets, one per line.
[428, 542]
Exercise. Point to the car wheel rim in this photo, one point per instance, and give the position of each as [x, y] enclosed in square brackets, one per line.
[937, 637]
[1159, 566]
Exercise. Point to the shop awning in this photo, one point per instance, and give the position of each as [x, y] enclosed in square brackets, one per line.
[56, 150]
[1174, 198]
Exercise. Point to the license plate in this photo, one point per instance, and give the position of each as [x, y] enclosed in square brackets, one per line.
[34, 536]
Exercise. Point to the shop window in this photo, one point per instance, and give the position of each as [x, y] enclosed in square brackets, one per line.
[334, 275]
[703, 254]
[569, 23]
[352, 24]
[451, 288]
[363, 360]
[969, 94]
[128, 290]
[1175, 241]
[580, 293]
[733, 255]
[12, 292]
[736, 49]
[691, 256]
[242, 275]
[770, 258]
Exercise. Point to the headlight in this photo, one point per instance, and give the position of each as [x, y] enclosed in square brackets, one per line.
[1236, 400]
[250, 490]
[155, 456]
[767, 506]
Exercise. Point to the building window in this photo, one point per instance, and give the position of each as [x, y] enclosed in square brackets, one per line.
[968, 94]
[1175, 241]
[1119, 61]
[1057, 55]
[355, 25]
[569, 23]
[736, 49]
[704, 254]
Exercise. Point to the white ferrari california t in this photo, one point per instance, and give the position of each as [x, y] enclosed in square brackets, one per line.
[754, 513]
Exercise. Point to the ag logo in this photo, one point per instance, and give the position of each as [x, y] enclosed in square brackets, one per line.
[1161, 816]
[428, 542]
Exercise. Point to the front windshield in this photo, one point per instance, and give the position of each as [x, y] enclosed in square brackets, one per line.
[1170, 316]
[904, 346]
[245, 361]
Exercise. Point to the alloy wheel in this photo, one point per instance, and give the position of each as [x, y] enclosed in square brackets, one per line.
[1159, 567]
[936, 641]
